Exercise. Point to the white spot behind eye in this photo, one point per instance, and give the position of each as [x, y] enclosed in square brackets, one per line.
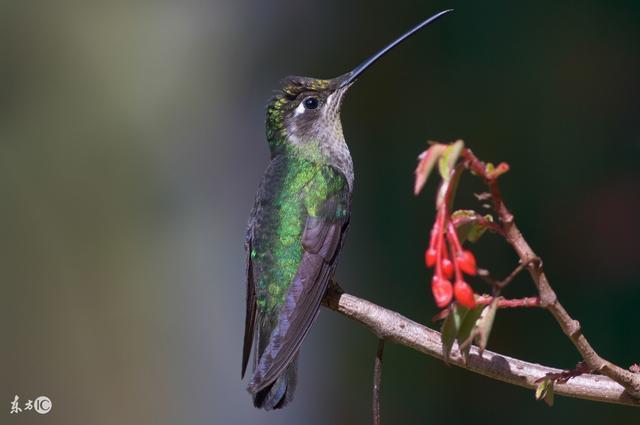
[299, 110]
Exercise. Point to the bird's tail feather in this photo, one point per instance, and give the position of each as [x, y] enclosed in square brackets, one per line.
[280, 392]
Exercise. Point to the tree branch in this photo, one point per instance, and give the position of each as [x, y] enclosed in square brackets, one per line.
[392, 326]
[377, 382]
[548, 298]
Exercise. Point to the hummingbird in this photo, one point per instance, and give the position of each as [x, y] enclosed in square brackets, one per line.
[298, 224]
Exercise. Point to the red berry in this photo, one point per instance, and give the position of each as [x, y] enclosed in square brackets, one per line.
[467, 262]
[464, 294]
[430, 256]
[442, 291]
[447, 268]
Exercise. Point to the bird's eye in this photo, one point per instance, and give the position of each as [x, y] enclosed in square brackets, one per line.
[310, 103]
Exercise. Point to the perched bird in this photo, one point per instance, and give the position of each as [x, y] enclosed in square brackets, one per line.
[297, 225]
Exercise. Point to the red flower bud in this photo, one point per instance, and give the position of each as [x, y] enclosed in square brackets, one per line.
[467, 262]
[447, 268]
[430, 256]
[442, 291]
[464, 294]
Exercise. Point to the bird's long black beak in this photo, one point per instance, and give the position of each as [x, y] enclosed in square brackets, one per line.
[353, 75]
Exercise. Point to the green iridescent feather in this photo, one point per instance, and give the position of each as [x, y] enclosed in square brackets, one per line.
[299, 188]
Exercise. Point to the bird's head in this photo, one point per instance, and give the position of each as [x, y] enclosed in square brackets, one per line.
[304, 114]
[304, 111]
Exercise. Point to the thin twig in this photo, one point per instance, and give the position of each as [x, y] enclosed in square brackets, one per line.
[548, 297]
[523, 265]
[499, 285]
[377, 382]
[394, 327]
[526, 302]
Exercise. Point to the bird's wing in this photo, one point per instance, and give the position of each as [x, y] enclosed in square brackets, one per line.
[274, 176]
[250, 317]
[326, 224]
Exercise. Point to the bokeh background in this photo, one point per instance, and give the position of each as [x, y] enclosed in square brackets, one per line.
[132, 142]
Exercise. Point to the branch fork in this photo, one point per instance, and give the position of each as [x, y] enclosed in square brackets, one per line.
[594, 378]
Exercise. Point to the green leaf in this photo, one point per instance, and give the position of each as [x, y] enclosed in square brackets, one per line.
[459, 312]
[467, 214]
[544, 391]
[489, 168]
[449, 158]
[484, 325]
[449, 187]
[470, 229]
[428, 159]
[541, 390]
[450, 328]
[448, 335]
[549, 396]
[477, 229]
[467, 329]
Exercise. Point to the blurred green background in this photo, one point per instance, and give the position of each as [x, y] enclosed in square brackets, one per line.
[132, 142]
